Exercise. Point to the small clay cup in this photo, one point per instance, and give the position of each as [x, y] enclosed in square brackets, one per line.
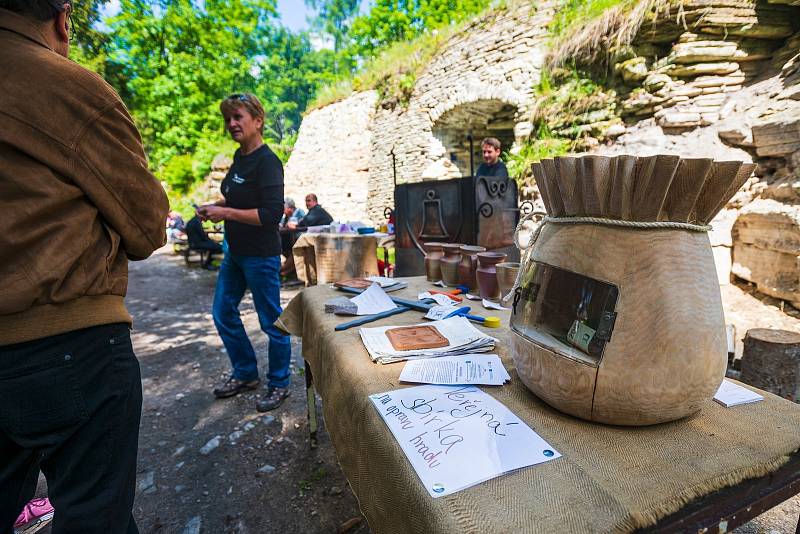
[433, 254]
[506, 276]
[449, 263]
[469, 265]
[487, 274]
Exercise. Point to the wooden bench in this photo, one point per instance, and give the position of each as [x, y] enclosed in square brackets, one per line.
[190, 255]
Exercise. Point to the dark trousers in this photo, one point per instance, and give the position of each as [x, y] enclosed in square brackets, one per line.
[70, 405]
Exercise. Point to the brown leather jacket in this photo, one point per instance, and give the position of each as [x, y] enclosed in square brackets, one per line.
[76, 196]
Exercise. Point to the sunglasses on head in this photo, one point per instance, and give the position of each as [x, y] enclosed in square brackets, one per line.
[239, 96]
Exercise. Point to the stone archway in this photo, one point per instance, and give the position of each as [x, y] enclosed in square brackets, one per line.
[478, 119]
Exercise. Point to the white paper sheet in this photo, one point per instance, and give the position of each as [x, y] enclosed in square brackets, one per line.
[458, 436]
[437, 313]
[474, 369]
[373, 300]
[438, 298]
[489, 305]
[730, 394]
[384, 281]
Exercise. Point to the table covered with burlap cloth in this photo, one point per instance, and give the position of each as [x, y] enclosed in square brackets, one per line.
[321, 258]
[609, 479]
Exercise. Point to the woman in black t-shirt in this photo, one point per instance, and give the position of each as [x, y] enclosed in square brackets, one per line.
[251, 208]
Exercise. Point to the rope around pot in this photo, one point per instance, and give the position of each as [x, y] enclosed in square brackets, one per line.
[542, 218]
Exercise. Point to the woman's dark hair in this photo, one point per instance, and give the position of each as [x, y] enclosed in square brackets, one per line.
[38, 9]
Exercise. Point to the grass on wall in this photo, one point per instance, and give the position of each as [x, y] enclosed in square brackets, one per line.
[590, 33]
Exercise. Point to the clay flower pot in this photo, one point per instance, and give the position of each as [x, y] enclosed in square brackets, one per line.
[469, 265]
[487, 274]
[433, 254]
[449, 263]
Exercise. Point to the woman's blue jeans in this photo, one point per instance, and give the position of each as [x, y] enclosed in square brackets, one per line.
[261, 275]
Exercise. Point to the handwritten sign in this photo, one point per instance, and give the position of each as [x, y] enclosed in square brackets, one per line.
[458, 436]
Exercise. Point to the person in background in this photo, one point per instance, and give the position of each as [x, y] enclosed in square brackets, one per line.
[251, 208]
[198, 239]
[288, 237]
[492, 165]
[78, 202]
[175, 226]
[290, 210]
[316, 216]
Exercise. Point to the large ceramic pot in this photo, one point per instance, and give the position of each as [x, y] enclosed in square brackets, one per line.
[487, 274]
[433, 254]
[469, 265]
[506, 276]
[624, 325]
[449, 263]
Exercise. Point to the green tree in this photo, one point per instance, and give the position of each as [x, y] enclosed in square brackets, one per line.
[90, 46]
[390, 21]
[182, 57]
[334, 18]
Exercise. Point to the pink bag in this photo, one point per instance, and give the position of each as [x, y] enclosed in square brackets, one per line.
[34, 510]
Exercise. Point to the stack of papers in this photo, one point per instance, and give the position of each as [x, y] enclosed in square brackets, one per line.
[730, 394]
[462, 337]
[473, 369]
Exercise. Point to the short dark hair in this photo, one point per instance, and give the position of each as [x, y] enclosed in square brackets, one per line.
[38, 9]
[492, 142]
[313, 197]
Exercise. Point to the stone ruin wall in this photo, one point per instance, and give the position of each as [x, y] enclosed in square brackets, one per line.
[701, 88]
[332, 157]
[720, 79]
[726, 84]
[343, 150]
[496, 59]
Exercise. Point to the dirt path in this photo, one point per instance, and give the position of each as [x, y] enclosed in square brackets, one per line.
[262, 477]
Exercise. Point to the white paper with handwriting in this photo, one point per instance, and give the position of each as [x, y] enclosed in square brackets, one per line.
[458, 436]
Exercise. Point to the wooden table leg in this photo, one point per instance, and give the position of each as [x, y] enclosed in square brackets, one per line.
[311, 400]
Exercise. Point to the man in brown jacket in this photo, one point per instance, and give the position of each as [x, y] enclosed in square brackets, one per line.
[76, 201]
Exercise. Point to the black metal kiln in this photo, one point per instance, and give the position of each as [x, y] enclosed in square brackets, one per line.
[475, 210]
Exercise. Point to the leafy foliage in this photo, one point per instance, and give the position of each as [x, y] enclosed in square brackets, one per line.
[395, 41]
[575, 13]
[392, 21]
[334, 18]
[572, 108]
[172, 61]
[180, 61]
